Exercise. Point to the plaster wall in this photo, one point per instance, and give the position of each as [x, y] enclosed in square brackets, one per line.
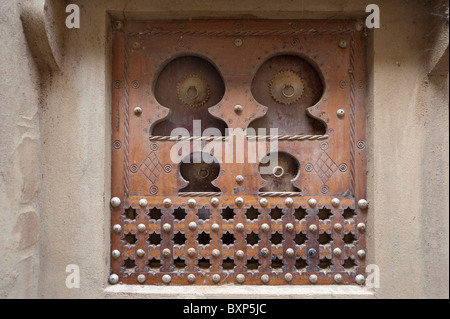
[55, 149]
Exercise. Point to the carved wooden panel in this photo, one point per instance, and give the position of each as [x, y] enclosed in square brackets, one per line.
[238, 152]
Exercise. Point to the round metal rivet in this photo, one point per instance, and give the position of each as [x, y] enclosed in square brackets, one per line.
[240, 278]
[115, 254]
[263, 202]
[265, 278]
[362, 203]
[312, 202]
[240, 227]
[289, 202]
[192, 226]
[312, 252]
[215, 227]
[335, 202]
[141, 279]
[313, 279]
[239, 201]
[240, 254]
[192, 203]
[265, 227]
[113, 279]
[239, 179]
[337, 227]
[289, 227]
[215, 253]
[191, 278]
[290, 252]
[166, 228]
[361, 254]
[117, 228]
[337, 252]
[137, 111]
[342, 44]
[215, 278]
[288, 277]
[264, 252]
[143, 202]
[313, 228]
[166, 279]
[238, 42]
[340, 113]
[360, 279]
[141, 228]
[115, 202]
[166, 252]
[361, 227]
[140, 252]
[338, 278]
[191, 252]
[238, 109]
[215, 201]
[167, 203]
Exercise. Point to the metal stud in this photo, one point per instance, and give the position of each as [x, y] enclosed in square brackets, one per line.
[313, 228]
[265, 227]
[312, 202]
[143, 202]
[166, 279]
[192, 203]
[137, 111]
[289, 202]
[289, 227]
[141, 279]
[338, 278]
[313, 279]
[192, 226]
[215, 278]
[215, 253]
[141, 228]
[239, 201]
[166, 228]
[363, 204]
[167, 203]
[288, 277]
[290, 252]
[215, 201]
[191, 278]
[337, 227]
[239, 179]
[337, 252]
[113, 279]
[215, 227]
[312, 252]
[115, 254]
[238, 109]
[361, 254]
[238, 42]
[263, 202]
[360, 279]
[117, 228]
[342, 44]
[361, 227]
[335, 202]
[264, 252]
[265, 278]
[340, 113]
[240, 254]
[140, 252]
[191, 252]
[240, 227]
[115, 202]
[240, 278]
[166, 252]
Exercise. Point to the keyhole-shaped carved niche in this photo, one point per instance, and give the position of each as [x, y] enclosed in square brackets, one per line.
[279, 170]
[288, 85]
[188, 86]
[199, 169]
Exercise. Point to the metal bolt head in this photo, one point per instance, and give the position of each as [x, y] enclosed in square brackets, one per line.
[167, 203]
[313, 228]
[137, 111]
[240, 254]
[363, 204]
[215, 253]
[239, 179]
[166, 228]
[238, 109]
[264, 252]
[215, 201]
[141, 228]
[312, 252]
[117, 228]
[340, 113]
[140, 252]
[143, 202]
[192, 226]
[265, 227]
[240, 227]
[361, 227]
[215, 227]
[338, 278]
[360, 279]
[191, 278]
[290, 252]
[337, 227]
[166, 252]
[118, 25]
[113, 279]
[289, 202]
[239, 201]
[335, 202]
[240, 278]
[337, 252]
[289, 227]
[215, 278]
[265, 278]
[342, 44]
[136, 45]
[238, 42]
[115, 254]
[141, 279]
[313, 279]
[115, 202]
[361, 254]
[312, 202]
[288, 277]
[192, 203]
[166, 279]
[263, 202]
[191, 252]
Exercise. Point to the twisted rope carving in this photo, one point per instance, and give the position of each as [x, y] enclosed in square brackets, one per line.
[225, 138]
